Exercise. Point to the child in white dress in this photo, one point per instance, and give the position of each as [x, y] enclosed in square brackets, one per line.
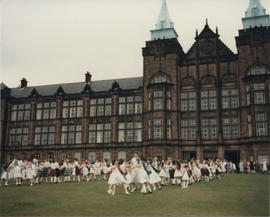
[117, 178]
[185, 177]
[177, 173]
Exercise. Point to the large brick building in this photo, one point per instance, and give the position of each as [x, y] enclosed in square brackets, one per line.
[207, 102]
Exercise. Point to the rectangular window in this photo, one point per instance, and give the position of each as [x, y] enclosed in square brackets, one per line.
[129, 132]
[188, 101]
[169, 129]
[71, 134]
[44, 135]
[259, 93]
[208, 100]
[18, 136]
[46, 110]
[158, 100]
[261, 124]
[209, 129]
[20, 112]
[188, 129]
[130, 105]
[229, 98]
[157, 129]
[230, 127]
[100, 107]
[100, 133]
[72, 109]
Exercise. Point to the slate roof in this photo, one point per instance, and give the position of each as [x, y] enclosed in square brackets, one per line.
[76, 88]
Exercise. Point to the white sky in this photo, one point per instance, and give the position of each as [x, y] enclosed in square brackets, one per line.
[57, 41]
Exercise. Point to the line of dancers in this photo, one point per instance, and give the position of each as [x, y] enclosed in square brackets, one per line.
[153, 175]
[148, 175]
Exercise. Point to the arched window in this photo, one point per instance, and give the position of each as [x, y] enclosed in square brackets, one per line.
[106, 156]
[122, 155]
[78, 156]
[92, 157]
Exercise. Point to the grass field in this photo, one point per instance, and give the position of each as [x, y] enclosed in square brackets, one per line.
[234, 195]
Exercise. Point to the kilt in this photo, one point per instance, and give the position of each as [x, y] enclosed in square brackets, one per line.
[45, 172]
[77, 171]
[68, 171]
[53, 172]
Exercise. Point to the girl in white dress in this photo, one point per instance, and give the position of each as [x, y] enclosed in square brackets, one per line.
[92, 172]
[117, 178]
[17, 173]
[29, 172]
[185, 177]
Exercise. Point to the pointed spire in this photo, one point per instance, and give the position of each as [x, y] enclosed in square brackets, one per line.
[164, 21]
[216, 30]
[164, 26]
[206, 21]
[255, 15]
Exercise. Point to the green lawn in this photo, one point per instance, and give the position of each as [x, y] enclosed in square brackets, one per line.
[234, 195]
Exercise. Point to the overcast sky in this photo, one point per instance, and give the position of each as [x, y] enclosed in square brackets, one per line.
[57, 41]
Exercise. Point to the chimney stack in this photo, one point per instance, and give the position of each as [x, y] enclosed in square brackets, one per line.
[23, 83]
[87, 77]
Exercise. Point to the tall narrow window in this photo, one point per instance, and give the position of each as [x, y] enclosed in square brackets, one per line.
[158, 100]
[248, 94]
[249, 125]
[261, 124]
[157, 129]
[168, 100]
[259, 93]
[169, 129]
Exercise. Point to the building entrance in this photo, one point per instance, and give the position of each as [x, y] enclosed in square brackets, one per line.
[233, 156]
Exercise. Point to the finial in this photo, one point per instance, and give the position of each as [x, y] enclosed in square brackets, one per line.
[206, 21]
[216, 30]
[197, 33]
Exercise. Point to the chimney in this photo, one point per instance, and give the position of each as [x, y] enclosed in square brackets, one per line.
[87, 77]
[23, 83]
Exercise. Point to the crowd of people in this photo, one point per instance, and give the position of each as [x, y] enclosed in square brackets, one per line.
[137, 172]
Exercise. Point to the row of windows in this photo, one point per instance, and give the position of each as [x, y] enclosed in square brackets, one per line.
[133, 104]
[132, 131]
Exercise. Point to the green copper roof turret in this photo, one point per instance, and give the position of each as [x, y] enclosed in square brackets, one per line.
[164, 27]
[255, 15]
